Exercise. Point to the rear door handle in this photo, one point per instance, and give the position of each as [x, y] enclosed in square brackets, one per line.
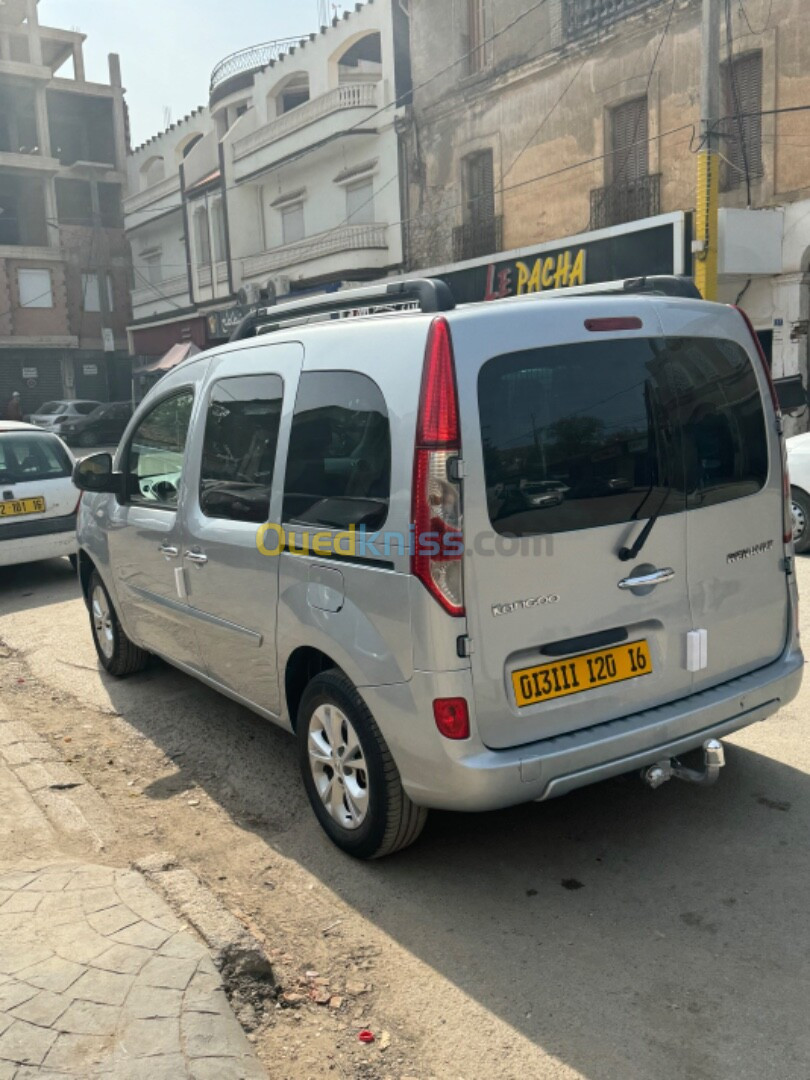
[655, 577]
[169, 551]
[196, 557]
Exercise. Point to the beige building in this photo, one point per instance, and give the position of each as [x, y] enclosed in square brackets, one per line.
[64, 258]
[559, 124]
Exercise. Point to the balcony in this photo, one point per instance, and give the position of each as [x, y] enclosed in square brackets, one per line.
[28, 163]
[239, 68]
[584, 17]
[163, 190]
[476, 238]
[204, 275]
[332, 242]
[343, 98]
[151, 295]
[628, 200]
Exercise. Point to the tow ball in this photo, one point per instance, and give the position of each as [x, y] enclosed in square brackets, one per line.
[713, 761]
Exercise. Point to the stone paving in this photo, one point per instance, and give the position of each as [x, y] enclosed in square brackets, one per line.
[98, 977]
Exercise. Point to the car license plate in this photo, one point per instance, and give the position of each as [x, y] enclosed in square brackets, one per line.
[15, 507]
[577, 674]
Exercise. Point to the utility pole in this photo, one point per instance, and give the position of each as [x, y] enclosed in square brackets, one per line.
[705, 248]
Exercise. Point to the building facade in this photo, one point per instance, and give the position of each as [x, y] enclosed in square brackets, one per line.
[64, 258]
[287, 181]
[569, 126]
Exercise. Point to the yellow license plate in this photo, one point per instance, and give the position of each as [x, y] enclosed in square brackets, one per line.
[577, 674]
[15, 507]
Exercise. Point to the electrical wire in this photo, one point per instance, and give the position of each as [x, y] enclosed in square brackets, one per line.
[765, 28]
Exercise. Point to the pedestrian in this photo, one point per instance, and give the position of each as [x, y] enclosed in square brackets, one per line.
[14, 408]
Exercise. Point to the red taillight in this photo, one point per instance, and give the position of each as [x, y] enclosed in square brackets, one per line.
[437, 555]
[787, 513]
[452, 717]
[625, 323]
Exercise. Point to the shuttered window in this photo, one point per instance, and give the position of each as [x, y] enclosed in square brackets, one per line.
[629, 159]
[475, 36]
[479, 188]
[742, 128]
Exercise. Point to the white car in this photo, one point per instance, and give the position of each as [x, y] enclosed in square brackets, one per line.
[38, 501]
[798, 451]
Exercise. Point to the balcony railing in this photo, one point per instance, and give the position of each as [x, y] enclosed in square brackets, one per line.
[253, 58]
[626, 200]
[347, 238]
[351, 96]
[476, 238]
[152, 294]
[204, 274]
[582, 17]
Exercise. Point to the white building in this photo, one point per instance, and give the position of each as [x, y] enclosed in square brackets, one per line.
[287, 181]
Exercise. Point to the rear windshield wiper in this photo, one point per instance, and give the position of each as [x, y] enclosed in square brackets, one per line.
[628, 553]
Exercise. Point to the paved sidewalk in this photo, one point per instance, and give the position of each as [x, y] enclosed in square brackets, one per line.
[98, 977]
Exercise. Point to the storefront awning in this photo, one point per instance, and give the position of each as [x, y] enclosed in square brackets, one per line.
[175, 355]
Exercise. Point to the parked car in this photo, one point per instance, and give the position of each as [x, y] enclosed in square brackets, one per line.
[314, 522]
[103, 426]
[54, 414]
[798, 456]
[38, 501]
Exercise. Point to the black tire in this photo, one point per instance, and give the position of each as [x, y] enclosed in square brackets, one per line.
[392, 821]
[118, 655]
[74, 562]
[801, 520]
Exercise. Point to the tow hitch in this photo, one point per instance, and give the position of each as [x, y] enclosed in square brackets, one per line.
[713, 761]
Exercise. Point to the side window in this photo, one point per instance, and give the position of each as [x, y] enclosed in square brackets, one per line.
[156, 449]
[339, 462]
[239, 451]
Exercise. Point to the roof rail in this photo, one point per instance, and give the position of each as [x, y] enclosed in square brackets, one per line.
[430, 293]
[664, 285]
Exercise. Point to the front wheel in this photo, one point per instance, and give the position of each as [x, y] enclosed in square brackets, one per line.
[118, 655]
[350, 778]
[800, 509]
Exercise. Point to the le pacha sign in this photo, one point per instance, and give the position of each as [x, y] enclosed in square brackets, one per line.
[545, 272]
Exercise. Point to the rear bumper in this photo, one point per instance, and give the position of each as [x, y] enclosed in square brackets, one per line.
[13, 552]
[468, 776]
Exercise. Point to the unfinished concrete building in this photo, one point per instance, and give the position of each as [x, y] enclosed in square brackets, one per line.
[64, 258]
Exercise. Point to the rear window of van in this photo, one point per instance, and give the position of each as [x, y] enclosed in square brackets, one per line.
[605, 432]
[32, 456]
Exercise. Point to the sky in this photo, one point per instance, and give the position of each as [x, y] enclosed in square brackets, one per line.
[168, 48]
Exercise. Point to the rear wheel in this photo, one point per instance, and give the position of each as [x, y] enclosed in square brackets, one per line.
[350, 777]
[118, 655]
[800, 509]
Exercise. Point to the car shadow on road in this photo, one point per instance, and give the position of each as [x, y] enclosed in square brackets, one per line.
[35, 585]
[629, 933]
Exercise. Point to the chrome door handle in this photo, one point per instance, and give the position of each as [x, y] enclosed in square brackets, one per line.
[655, 577]
[169, 551]
[196, 557]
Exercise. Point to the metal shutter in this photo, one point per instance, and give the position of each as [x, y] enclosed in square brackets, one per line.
[742, 83]
[628, 141]
[480, 187]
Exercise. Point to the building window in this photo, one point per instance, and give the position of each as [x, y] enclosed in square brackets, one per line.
[35, 288]
[630, 193]
[742, 127]
[152, 268]
[202, 238]
[360, 202]
[218, 216]
[90, 294]
[582, 17]
[481, 232]
[475, 37]
[292, 223]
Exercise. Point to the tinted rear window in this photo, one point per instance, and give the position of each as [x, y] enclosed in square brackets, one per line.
[601, 433]
[28, 456]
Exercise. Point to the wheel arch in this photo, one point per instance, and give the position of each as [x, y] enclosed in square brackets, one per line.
[303, 664]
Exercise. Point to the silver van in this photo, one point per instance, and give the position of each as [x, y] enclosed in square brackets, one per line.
[470, 557]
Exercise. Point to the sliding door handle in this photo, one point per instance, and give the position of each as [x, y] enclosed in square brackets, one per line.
[196, 557]
[646, 581]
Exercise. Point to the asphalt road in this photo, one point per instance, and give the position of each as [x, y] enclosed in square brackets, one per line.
[614, 934]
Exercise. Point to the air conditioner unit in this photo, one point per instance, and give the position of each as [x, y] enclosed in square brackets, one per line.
[279, 286]
[250, 294]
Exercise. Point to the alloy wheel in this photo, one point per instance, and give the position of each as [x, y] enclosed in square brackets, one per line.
[338, 766]
[799, 521]
[102, 621]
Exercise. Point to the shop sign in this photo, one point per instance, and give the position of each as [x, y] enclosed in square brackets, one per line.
[30, 373]
[90, 369]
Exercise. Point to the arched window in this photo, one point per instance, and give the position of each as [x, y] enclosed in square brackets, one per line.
[362, 61]
[218, 229]
[291, 93]
[152, 171]
[202, 237]
[187, 145]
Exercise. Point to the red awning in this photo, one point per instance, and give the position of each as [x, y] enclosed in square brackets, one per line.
[175, 355]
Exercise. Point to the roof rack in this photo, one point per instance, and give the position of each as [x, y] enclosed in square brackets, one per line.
[431, 294]
[664, 285]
